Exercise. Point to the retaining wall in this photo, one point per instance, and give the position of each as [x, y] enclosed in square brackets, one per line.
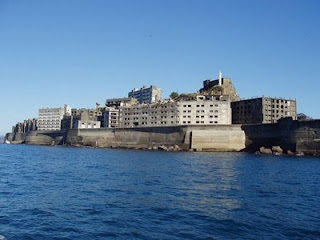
[288, 134]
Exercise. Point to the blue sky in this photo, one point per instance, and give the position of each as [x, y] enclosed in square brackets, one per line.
[82, 52]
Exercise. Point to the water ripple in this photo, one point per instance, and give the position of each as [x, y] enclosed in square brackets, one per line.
[72, 193]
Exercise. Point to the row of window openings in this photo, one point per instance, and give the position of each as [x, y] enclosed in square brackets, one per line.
[127, 109]
[216, 105]
[198, 122]
[144, 118]
[164, 112]
[50, 112]
[49, 120]
[164, 117]
[201, 116]
[137, 113]
[145, 123]
[275, 115]
[266, 106]
[277, 101]
[273, 111]
[172, 122]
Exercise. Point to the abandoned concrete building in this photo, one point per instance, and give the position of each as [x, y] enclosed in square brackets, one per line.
[262, 110]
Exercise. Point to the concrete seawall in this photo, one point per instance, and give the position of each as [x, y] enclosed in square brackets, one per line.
[296, 136]
[126, 138]
[200, 138]
[208, 138]
[288, 134]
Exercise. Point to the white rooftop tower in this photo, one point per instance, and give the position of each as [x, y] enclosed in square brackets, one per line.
[220, 78]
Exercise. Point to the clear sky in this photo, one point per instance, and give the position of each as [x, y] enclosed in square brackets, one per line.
[81, 52]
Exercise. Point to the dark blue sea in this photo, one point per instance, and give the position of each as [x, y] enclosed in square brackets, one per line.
[83, 193]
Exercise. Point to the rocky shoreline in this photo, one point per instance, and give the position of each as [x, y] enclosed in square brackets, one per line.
[285, 137]
[171, 148]
[278, 151]
[274, 150]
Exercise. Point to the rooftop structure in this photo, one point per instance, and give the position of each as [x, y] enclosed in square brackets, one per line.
[117, 102]
[146, 94]
[220, 86]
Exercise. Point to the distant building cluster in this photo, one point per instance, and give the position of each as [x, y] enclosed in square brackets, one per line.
[216, 103]
[26, 126]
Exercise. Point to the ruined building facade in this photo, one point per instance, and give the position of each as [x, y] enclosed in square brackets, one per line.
[262, 110]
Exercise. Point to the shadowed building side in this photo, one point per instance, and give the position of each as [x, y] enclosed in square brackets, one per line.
[262, 110]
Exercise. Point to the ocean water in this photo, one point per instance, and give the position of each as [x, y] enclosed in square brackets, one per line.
[83, 193]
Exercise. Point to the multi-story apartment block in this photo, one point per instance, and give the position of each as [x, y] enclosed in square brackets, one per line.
[83, 118]
[146, 94]
[50, 118]
[262, 110]
[205, 110]
[111, 117]
[111, 112]
[94, 113]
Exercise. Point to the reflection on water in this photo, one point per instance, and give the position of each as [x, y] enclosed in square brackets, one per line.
[70, 193]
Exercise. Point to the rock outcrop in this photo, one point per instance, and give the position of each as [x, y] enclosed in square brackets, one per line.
[265, 150]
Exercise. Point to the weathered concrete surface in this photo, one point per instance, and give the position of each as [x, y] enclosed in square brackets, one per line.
[9, 137]
[262, 135]
[216, 138]
[126, 138]
[16, 138]
[206, 138]
[45, 137]
[291, 136]
[305, 137]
